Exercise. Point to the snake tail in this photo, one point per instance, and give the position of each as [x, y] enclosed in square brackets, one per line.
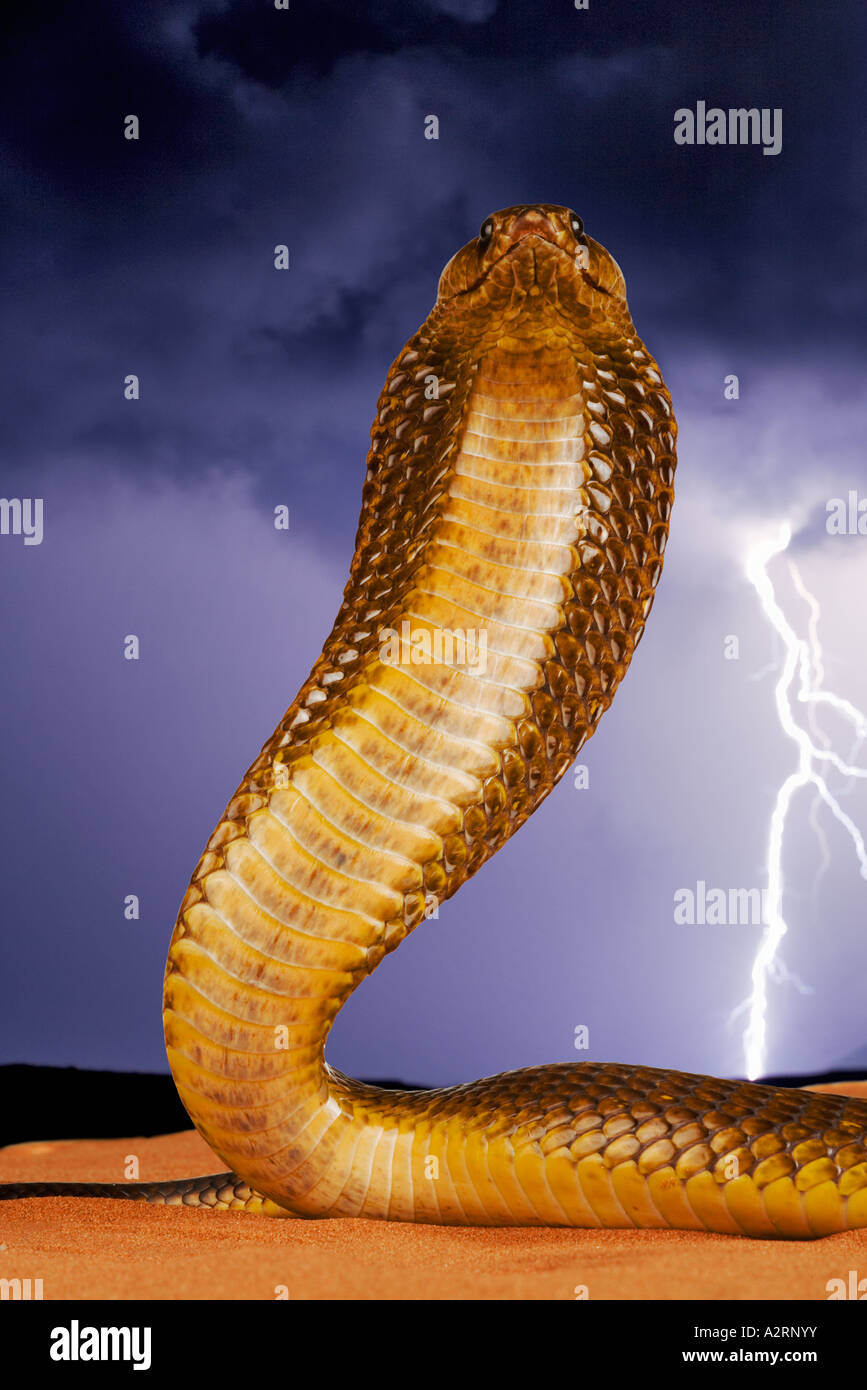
[218, 1191]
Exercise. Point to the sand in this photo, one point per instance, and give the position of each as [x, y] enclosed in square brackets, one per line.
[86, 1248]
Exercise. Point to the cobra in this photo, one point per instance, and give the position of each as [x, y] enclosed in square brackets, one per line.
[518, 491]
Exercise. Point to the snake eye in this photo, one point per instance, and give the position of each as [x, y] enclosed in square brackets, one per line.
[577, 226]
[486, 231]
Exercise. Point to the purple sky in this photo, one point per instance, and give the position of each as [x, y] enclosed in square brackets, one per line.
[258, 389]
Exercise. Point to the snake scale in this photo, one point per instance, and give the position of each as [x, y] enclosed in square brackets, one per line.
[519, 485]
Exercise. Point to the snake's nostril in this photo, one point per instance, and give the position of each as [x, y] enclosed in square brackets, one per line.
[530, 220]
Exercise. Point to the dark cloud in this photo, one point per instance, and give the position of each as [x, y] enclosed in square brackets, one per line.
[156, 255]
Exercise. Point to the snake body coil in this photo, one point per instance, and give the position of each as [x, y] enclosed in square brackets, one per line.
[519, 486]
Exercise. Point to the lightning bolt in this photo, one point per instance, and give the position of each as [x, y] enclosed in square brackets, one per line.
[802, 669]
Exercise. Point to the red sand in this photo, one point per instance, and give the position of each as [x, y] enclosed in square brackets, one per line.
[95, 1248]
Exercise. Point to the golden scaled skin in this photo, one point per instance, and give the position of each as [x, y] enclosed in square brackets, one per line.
[528, 500]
